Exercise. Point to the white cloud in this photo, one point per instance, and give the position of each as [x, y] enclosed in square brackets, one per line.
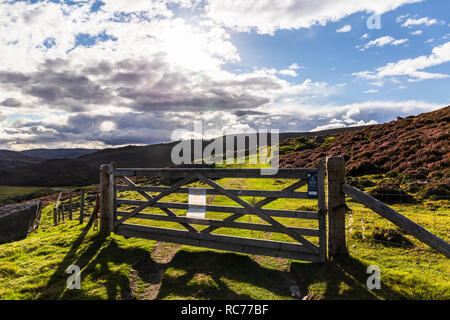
[345, 28]
[412, 68]
[377, 83]
[336, 124]
[267, 17]
[422, 21]
[288, 72]
[371, 91]
[358, 114]
[417, 33]
[295, 66]
[383, 41]
[365, 36]
[108, 126]
[402, 17]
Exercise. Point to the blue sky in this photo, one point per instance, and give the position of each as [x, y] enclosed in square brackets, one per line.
[332, 57]
[111, 73]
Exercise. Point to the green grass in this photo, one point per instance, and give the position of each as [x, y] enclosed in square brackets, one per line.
[115, 268]
[9, 195]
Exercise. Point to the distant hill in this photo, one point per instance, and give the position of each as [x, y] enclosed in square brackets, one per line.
[85, 169]
[14, 159]
[47, 154]
[414, 147]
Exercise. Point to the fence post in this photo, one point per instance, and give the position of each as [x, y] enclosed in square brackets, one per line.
[63, 210]
[336, 207]
[82, 206]
[70, 206]
[106, 200]
[55, 216]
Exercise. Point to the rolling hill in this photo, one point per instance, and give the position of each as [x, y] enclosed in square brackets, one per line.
[47, 154]
[14, 159]
[415, 147]
[83, 170]
[10, 159]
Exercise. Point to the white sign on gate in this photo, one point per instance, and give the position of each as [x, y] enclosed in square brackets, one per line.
[197, 203]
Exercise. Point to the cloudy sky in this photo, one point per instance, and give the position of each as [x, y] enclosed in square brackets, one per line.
[117, 72]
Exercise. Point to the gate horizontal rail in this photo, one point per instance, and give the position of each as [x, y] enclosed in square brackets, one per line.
[308, 215]
[240, 193]
[287, 173]
[221, 223]
[221, 242]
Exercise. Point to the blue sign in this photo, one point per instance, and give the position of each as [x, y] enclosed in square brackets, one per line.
[312, 186]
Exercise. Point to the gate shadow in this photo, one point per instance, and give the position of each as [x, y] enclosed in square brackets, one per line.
[209, 275]
[205, 275]
[191, 275]
[101, 264]
[52, 287]
[344, 279]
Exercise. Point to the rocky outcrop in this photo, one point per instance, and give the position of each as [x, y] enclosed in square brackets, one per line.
[18, 220]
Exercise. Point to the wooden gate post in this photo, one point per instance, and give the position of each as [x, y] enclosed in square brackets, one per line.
[322, 211]
[336, 207]
[106, 200]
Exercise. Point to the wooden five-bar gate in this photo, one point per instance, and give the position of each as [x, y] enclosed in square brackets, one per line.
[330, 215]
[114, 220]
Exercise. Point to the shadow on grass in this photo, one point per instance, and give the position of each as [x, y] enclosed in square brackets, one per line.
[103, 264]
[203, 275]
[53, 285]
[93, 262]
[344, 278]
[208, 274]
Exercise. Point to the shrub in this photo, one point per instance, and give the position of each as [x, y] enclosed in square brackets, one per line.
[361, 184]
[363, 167]
[286, 149]
[391, 236]
[390, 192]
[435, 189]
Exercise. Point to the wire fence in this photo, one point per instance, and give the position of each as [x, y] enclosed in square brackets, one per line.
[428, 206]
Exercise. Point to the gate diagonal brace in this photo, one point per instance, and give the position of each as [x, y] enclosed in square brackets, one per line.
[259, 204]
[150, 198]
[307, 244]
[173, 188]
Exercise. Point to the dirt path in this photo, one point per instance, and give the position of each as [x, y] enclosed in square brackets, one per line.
[146, 274]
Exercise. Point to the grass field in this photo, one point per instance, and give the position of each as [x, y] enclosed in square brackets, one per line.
[119, 268]
[10, 195]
